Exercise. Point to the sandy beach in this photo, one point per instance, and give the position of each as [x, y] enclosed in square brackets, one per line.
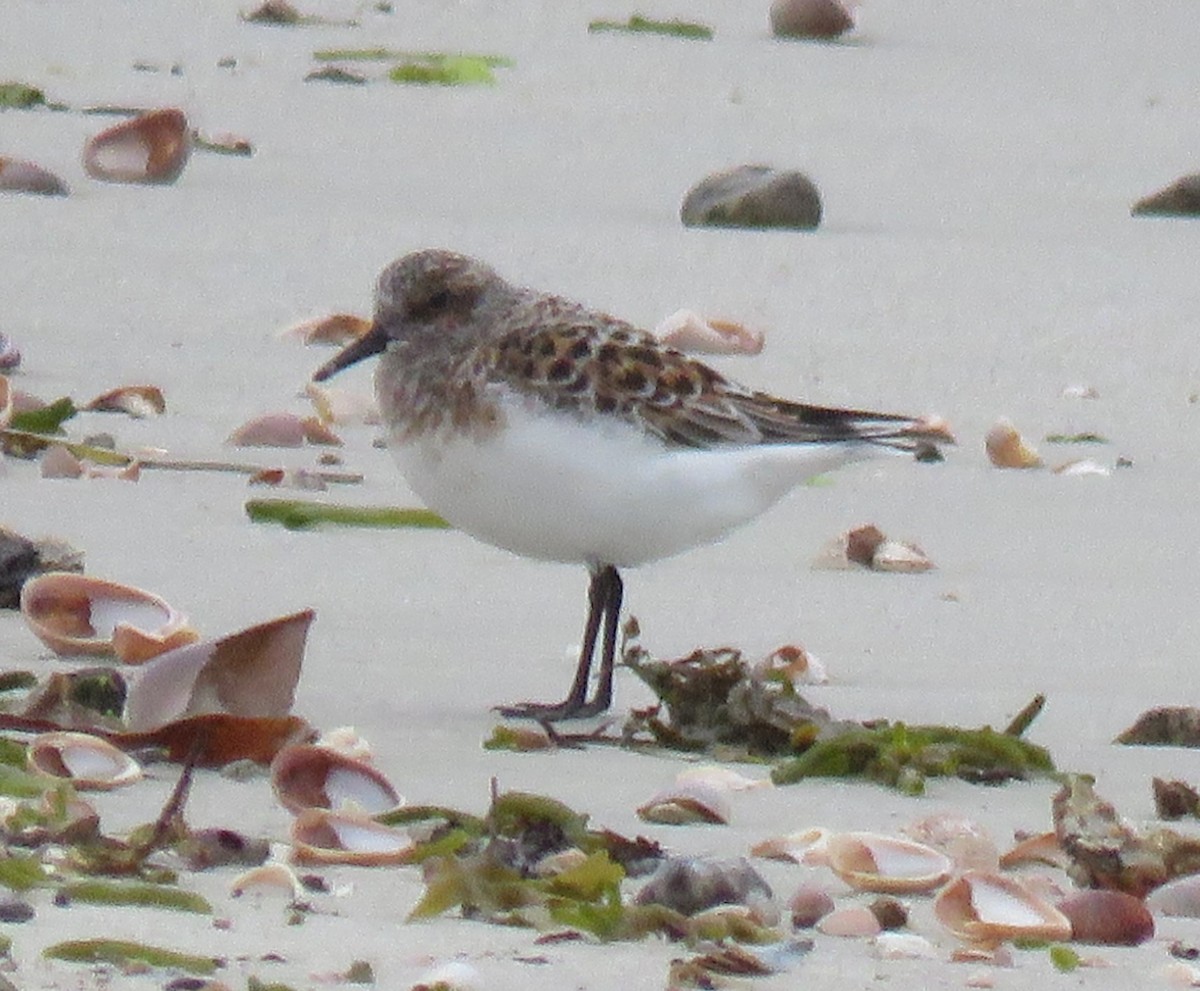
[976, 162]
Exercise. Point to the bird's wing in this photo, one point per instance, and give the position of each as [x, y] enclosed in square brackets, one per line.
[575, 359]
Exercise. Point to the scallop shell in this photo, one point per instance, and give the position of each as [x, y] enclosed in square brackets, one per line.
[88, 762]
[686, 804]
[151, 148]
[137, 400]
[307, 776]
[1006, 448]
[320, 836]
[887, 864]
[688, 331]
[79, 615]
[986, 907]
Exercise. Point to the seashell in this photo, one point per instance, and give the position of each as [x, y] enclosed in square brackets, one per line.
[892, 555]
[1079, 392]
[312, 777]
[854, 921]
[88, 762]
[19, 176]
[1110, 918]
[1180, 898]
[987, 907]
[687, 804]
[960, 838]
[75, 615]
[822, 19]
[337, 329]
[346, 740]
[136, 400]
[887, 864]
[249, 673]
[268, 879]
[793, 664]
[452, 976]
[1043, 848]
[687, 331]
[225, 143]
[1082, 466]
[692, 884]
[321, 836]
[151, 148]
[59, 462]
[315, 432]
[809, 905]
[721, 778]
[808, 846]
[270, 430]
[555, 863]
[343, 406]
[1006, 448]
[902, 946]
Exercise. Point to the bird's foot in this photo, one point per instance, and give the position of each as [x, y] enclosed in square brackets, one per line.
[554, 713]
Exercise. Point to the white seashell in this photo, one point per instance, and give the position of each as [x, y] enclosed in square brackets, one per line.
[687, 804]
[151, 148]
[88, 762]
[1006, 448]
[269, 430]
[686, 330]
[1043, 848]
[872, 862]
[902, 946]
[453, 976]
[1079, 392]
[721, 778]
[1083, 466]
[268, 879]
[75, 614]
[808, 846]
[314, 777]
[320, 836]
[988, 907]
[892, 555]
[796, 665]
[348, 741]
[1180, 975]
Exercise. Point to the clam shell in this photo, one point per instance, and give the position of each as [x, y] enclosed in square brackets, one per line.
[688, 331]
[893, 555]
[151, 148]
[960, 838]
[307, 776]
[77, 615]
[809, 905]
[886, 864]
[1110, 918]
[320, 836]
[987, 907]
[88, 762]
[1006, 448]
[686, 804]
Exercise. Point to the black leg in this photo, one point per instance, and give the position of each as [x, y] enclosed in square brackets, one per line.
[604, 608]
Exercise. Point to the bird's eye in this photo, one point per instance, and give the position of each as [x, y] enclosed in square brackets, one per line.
[438, 301]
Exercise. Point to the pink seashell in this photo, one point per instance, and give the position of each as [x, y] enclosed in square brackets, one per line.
[136, 400]
[855, 921]
[886, 864]
[151, 148]
[810, 18]
[1111, 918]
[809, 905]
[986, 907]
[59, 462]
[688, 803]
[688, 331]
[17, 176]
[270, 430]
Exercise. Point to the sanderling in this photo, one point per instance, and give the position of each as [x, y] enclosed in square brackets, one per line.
[557, 432]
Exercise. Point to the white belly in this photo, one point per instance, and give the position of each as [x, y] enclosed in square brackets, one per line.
[555, 487]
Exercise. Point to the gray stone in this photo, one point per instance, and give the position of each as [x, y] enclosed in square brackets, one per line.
[753, 196]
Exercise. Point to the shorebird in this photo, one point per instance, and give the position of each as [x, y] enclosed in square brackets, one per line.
[560, 433]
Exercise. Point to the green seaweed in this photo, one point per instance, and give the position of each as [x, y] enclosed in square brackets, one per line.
[296, 514]
[445, 70]
[20, 96]
[1064, 959]
[125, 952]
[142, 895]
[904, 756]
[17, 783]
[14, 681]
[20, 873]
[12, 753]
[402, 55]
[46, 420]
[1081, 438]
[637, 24]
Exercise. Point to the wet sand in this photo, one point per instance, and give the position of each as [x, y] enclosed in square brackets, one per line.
[977, 163]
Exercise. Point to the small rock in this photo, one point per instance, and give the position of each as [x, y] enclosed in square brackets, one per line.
[1180, 199]
[15, 910]
[823, 19]
[753, 196]
[809, 905]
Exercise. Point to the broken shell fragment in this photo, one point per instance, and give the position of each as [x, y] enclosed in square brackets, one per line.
[6, 395]
[320, 836]
[960, 838]
[1006, 448]
[336, 329]
[270, 430]
[869, 547]
[1110, 918]
[1042, 848]
[314, 777]
[687, 331]
[151, 148]
[986, 907]
[75, 615]
[59, 462]
[892, 555]
[136, 400]
[268, 879]
[19, 176]
[88, 762]
[808, 846]
[853, 922]
[686, 804]
[886, 864]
